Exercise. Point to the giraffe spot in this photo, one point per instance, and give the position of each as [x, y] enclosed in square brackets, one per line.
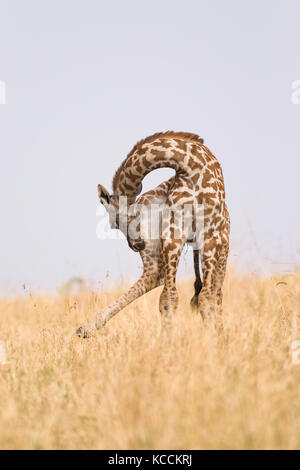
[181, 144]
[193, 163]
[195, 178]
[158, 153]
[142, 150]
[206, 179]
[178, 155]
[164, 143]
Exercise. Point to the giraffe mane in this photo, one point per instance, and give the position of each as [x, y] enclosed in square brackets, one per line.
[188, 136]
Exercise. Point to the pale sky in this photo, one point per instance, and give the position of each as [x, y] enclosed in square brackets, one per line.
[86, 79]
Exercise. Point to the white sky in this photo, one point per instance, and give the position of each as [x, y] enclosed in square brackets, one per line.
[86, 79]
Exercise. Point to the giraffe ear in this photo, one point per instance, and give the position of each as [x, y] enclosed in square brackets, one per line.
[103, 194]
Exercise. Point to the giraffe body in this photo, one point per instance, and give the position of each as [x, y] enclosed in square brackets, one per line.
[198, 181]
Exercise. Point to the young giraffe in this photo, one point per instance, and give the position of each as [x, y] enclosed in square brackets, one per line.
[198, 179]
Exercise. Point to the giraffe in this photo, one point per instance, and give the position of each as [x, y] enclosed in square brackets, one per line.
[198, 180]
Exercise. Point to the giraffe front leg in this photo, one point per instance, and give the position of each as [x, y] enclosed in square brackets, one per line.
[143, 285]
[168, 302]
[148, 281]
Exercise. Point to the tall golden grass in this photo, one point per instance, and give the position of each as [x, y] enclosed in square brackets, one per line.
[131, 388]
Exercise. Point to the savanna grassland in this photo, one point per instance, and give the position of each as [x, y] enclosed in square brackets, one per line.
[133, 388]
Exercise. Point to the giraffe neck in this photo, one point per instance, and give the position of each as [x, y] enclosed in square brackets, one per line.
[160, 153]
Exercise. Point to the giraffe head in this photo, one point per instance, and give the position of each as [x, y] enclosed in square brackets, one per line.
[119, 209]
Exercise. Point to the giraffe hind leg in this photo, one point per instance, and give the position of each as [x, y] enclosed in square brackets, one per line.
[210, 300]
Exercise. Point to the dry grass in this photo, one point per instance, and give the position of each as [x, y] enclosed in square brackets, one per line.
[129, 388]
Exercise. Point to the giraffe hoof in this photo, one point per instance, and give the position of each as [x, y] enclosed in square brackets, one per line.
[82, 332]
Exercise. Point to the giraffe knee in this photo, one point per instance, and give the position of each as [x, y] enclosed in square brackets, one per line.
[153, 280]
